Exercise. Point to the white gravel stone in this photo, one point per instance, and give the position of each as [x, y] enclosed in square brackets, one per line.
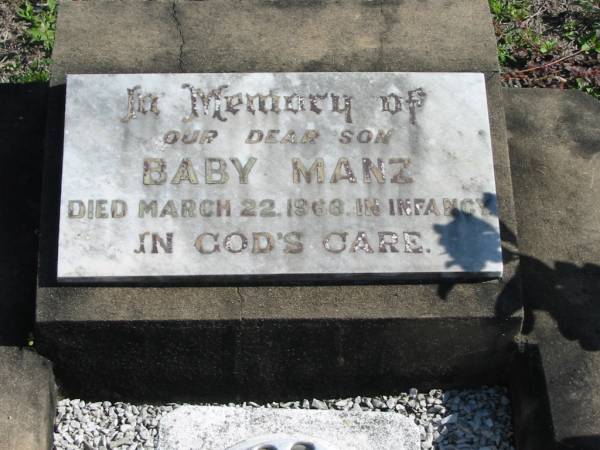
[467, 419]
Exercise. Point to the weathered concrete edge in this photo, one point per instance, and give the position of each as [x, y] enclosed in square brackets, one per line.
[557, 148]
[165, 34]
[28, 399]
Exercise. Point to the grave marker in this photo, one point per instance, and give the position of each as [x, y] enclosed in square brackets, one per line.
[267, 174]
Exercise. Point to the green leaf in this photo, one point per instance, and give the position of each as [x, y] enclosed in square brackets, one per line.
[26, 11]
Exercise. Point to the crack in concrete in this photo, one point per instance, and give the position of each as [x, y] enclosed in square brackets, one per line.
[180, 31]
[388, 21]
[239, 293]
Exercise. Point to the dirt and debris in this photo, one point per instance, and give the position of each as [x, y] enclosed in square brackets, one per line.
[25, 30]
[549, 43]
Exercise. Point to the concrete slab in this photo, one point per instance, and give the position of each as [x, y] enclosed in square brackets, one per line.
[310, 36]
[555, 146]
[28, 397]
[281, 35]
[450, 323]
[133, 36]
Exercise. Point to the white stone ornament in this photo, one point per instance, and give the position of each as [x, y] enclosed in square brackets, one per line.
[282, 441]
[227, 428]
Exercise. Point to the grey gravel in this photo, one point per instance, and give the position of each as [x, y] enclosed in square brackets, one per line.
[477, 419]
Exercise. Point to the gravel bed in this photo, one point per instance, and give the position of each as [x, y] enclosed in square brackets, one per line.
[449, 420]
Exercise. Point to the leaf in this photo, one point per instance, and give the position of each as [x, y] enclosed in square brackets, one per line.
[26, 12]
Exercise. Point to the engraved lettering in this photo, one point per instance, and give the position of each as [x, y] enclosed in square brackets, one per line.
[348, 173]
[243, 171]
[391, 99]
[142, 239]
[294, 103]
[157, 240]
[378, 170]
[361, 243]
[220, 170]
[223, 208]
[314, 102]
[365, 136]
[412, 242]
[403, 174]
[336, 245]
[449, 206]
[346, 136]
[432, 208]
[188, 208]
[101, 212]
[388, 239]
[416, 99]
[76, 209]
[169, 210]
[190, 137]
[208, 136]
[233, 103]
[171, 137]
[118, 209]
[262, 242]
[271, 137]
[145, 208]
[185, 172]
[316, 171]
[254, 137]
[310, 137]
[235, 242]
[468, 206]
[347, 109]
[155, 171]
[213, 96]
[206, 208]
[138, 102]
[293, 243]
[199, 243]
[383, 136]
[289, 137]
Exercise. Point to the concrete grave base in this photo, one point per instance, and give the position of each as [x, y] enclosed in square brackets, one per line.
[555, 143]
[184, 342]
[218, 428]
[28, 398]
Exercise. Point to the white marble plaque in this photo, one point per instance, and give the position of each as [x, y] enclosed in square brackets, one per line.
[332, 175]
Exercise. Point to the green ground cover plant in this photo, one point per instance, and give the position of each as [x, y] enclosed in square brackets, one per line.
[549, 43]
[26, 40]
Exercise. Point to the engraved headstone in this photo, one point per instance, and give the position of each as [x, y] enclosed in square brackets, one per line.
[218, 428]
[302, 174]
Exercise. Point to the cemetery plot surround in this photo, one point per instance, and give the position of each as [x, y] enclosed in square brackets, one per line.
[239, 341]
[308, 174]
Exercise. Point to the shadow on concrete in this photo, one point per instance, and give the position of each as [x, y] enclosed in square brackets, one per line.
[568, 292]
[22, 122]
[565, 291]
[229, 360]
[579, 443]
[472, 243]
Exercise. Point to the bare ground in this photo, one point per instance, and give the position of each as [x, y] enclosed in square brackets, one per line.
[567, 65]
[17, 56]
